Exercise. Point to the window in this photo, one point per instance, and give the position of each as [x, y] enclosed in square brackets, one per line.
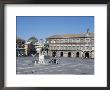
[66, 47]
[87, 39]
[70, 40]
[77, 47]
[66, 40]
[73, 48]
[87, 47]
[57, 48]
[69, 47]
[74, 40]
[78, 39]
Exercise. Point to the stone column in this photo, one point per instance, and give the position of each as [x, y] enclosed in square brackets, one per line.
[26, 49]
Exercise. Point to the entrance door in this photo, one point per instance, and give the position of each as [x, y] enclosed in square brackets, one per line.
[53, 54]
[87, 55]
[69, 54]
[77, 54]
[61, 54]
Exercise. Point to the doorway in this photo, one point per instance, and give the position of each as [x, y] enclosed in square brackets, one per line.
[54, 54]
[69, 54]
[61, 54]
[77, 54]
[87, 55]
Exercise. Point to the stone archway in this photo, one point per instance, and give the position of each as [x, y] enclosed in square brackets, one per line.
[69, 54]
[92, 54]
[61, 54]
[87, 55]
[77, 54]
[53, 54]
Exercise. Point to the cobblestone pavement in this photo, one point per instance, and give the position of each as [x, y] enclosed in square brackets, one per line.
[25, 65]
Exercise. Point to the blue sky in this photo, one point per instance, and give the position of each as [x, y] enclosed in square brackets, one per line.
[44, 26]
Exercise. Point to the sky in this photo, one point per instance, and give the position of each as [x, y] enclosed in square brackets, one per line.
[42, 27]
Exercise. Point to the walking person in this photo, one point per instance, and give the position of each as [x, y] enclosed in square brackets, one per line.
[55, 59]
[58, 59]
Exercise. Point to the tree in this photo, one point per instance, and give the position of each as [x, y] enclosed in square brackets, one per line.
[20, 42]
[46, 47]
[31, 49]
[33, 40]
[31, 46]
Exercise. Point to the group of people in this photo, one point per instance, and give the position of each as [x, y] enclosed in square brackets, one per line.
[54, 60]
[40, 59]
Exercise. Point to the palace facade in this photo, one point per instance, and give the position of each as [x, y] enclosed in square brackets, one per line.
[72, 45]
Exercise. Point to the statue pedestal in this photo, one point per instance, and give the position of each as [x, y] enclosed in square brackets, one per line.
[41, 59]
[35, 62]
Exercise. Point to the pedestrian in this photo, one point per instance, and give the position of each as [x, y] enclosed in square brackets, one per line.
[57, 60]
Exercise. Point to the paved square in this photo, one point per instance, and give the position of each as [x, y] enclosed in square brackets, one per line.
[76, 66]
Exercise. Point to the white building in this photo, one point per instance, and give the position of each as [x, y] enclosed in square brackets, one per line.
[72, 45]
